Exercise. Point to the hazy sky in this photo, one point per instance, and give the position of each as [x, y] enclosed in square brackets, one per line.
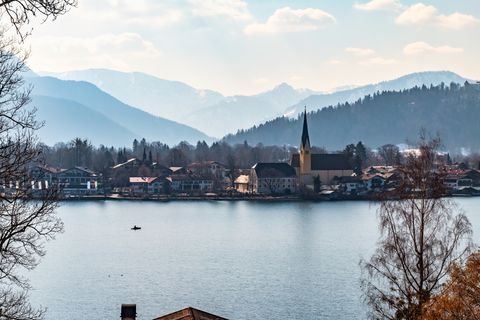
[243, 47]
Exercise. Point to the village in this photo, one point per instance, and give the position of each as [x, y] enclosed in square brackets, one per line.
[307, 175]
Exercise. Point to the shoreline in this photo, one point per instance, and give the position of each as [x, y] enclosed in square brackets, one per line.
[232, 198]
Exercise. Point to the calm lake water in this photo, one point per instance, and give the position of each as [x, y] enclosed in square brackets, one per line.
[240, 260]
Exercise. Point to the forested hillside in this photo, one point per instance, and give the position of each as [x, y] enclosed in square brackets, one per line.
[389, 117]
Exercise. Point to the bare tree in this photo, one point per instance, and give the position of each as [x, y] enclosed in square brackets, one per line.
[390, 154]
[20, 12]
[421, 237]
[25, 224]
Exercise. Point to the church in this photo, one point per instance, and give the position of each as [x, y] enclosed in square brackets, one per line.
[322, 165]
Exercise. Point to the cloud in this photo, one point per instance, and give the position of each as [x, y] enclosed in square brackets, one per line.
[421, 14]
[234, 9]
[116, 51]
[378, 61]
[286, 20]
[147, 13]
[167, 18]
[360, 51]
[457, 21]
[424, 47]
[335, 62]
[379, 5]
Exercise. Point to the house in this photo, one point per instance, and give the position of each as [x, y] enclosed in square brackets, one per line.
[43, 176]
[78, 181]
[351, 185]
[241, 183]
[474, 176]
[377, 178]
[129, 312]
[190, 314]
[190, 183]
[374, 182]
[451, 182]
[214, 168]
[149, 185]
[273, 178]
[74, 181]
[325, 166]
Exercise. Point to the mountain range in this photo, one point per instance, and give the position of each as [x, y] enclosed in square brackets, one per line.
[390, 117]
[73, 109]
[77, 108]
[196, 108]
[318, 101]
[170, 99]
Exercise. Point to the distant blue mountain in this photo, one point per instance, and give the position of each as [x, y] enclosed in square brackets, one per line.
[240, 112]
[194, 107]
[215, 114]
[165, 98]
[66, 120]
[89, 102]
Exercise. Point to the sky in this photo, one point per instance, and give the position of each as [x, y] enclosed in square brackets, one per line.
[246, 46]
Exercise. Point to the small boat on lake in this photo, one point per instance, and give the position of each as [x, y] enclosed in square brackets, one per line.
[136, 228]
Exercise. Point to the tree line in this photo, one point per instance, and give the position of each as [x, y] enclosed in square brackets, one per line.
[80, 152]
[393, 117]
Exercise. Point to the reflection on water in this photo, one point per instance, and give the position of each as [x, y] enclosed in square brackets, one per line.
[241, 260]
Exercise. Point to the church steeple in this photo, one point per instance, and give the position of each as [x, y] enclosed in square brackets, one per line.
[305, 137]
[305, 154]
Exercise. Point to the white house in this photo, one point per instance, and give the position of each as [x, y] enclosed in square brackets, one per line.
[273, 178]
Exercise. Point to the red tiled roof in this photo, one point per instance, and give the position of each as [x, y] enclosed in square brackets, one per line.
[190, 314]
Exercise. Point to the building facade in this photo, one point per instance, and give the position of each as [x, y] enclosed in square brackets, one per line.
[272, 178]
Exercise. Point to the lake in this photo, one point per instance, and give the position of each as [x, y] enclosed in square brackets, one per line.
[240, 260]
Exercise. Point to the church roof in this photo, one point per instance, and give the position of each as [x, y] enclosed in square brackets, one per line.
[324, 161]
[305, 136]
[274, 170]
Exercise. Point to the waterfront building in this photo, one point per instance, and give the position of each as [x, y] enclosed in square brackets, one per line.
[322, 165]
[272, 178]
[43, 176]
[351, 185]
[188, 183]
[78, 181]
[149, 185]
[214, 170]
[241, 183]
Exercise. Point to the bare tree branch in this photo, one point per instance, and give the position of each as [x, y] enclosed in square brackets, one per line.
[421, 237]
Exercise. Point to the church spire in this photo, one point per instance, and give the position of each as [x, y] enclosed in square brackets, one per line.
[305, 137]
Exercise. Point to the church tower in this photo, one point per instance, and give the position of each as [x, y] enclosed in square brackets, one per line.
[305, 152]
